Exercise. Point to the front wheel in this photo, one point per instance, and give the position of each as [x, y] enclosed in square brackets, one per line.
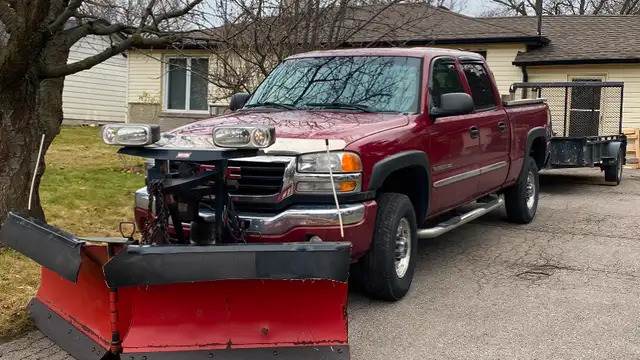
[521, 199]
[613, 173]
[386, 271]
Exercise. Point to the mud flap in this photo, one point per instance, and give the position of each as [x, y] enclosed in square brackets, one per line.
[50, 247]
[244, 301]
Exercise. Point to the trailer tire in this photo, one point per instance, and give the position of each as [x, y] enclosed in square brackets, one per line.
[521, 199]
[613, 173]
[385, 272]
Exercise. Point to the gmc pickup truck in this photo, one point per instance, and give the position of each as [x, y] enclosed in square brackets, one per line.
[417, 141]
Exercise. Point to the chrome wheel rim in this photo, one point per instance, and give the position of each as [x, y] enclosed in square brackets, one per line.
[530, 190]
[403, 247]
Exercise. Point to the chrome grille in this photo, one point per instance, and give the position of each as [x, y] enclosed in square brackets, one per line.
[258, 178]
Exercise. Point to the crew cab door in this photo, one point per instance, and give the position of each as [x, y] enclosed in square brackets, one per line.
[493, 124]
[454, 142]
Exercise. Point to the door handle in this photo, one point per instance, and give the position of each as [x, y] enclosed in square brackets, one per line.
[474, 132]
[502, 126]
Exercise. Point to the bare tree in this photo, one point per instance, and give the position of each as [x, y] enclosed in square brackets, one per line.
[35, 40]
[247, 38]
[566, 7]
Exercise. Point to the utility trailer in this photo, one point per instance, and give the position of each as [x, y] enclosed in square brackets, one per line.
[586, 123]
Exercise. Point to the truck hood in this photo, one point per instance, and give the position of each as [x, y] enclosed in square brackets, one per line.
[304, 124]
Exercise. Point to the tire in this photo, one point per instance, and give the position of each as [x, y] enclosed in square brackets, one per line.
[380, 274]
[613, 173]
[521, 199]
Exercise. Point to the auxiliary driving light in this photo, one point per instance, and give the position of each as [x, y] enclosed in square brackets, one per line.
[130, 134]
[244, 136]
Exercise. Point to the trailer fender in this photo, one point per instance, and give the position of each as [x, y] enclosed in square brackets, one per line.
[612, 150]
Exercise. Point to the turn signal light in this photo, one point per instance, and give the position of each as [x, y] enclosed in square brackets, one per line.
[346, 186]
[351, 162]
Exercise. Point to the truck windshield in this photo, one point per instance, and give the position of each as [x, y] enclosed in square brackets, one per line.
[354, 83]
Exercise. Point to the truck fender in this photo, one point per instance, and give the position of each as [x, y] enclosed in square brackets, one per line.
[406, 159]
[532, 135]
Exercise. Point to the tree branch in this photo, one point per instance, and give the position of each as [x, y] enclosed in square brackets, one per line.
[91, 61]
[179, 12]
[62, 19]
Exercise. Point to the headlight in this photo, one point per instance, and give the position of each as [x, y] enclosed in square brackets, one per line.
[130, 134]
[321, 183]
[339, 161]
[244, 136]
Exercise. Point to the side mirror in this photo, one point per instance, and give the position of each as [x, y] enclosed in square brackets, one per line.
[453, 104]
[238, 100]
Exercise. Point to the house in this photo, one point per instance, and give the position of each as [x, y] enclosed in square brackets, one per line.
[569, 48]
[99, 94]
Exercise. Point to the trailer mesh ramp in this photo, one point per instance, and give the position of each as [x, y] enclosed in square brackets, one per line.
[580, 108]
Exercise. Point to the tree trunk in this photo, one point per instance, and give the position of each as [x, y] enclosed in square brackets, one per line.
[20, 133]
[28, 109]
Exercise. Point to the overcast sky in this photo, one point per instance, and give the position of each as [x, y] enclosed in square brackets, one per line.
[476, 7]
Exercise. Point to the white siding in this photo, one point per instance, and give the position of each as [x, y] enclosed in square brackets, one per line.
[628, 73]
[145, 76]
[97, 94]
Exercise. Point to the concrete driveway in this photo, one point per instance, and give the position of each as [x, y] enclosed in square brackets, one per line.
[566, 286]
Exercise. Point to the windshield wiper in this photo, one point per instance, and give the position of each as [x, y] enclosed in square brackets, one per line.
[271, 104]
[339, 105]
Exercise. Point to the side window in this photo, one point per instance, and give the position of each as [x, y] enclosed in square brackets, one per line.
[444, 80]
[480, 84]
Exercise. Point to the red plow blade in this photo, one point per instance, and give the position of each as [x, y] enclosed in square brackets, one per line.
[246, 301]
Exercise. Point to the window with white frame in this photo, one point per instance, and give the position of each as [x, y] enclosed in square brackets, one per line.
[186, 84]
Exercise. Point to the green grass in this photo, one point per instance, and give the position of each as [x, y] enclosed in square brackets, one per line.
[87, 189]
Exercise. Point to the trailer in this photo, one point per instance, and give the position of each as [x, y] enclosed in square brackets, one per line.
[586, 123]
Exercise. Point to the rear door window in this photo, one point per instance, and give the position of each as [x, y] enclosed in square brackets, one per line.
[444, 80]
[481, 86]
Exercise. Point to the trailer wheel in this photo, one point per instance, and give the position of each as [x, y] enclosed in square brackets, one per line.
[521, 199]
[386, 271]
[613, 173]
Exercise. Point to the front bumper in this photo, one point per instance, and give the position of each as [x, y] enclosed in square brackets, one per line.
[280, 223]
[297, 223]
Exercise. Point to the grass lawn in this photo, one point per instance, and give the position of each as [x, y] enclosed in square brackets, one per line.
[87, 189]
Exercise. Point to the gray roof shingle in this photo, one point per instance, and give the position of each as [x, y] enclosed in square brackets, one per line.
[579, 39]
[421, 23]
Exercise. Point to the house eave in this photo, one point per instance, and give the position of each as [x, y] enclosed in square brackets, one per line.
[575, 62]
[528, 40]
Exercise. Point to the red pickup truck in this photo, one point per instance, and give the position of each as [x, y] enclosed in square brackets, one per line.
[419, 143]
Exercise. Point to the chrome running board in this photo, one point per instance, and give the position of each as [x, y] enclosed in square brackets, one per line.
[456, 221]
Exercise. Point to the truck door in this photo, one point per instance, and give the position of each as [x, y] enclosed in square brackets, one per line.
[493, 124]
[454, 142]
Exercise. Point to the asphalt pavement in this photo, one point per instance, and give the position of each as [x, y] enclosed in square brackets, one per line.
[566, 286]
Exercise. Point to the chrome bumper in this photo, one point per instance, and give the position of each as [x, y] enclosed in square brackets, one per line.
[280, 223]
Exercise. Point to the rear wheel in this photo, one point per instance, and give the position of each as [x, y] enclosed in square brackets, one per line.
[386, 271]
[521, 199]
[613, 173]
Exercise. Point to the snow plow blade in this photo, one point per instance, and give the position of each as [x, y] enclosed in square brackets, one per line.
[241, 301]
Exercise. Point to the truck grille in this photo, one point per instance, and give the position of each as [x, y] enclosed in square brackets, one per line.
[258, 178]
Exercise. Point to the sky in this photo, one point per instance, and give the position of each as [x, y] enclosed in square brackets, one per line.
[476, 7]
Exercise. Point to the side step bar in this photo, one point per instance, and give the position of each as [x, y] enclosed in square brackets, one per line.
[456, 221]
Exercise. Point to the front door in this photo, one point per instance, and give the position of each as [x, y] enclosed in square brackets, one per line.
[454, 143]
[493, 123]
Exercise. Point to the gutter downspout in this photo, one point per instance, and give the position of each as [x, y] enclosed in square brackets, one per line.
[525, 78]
